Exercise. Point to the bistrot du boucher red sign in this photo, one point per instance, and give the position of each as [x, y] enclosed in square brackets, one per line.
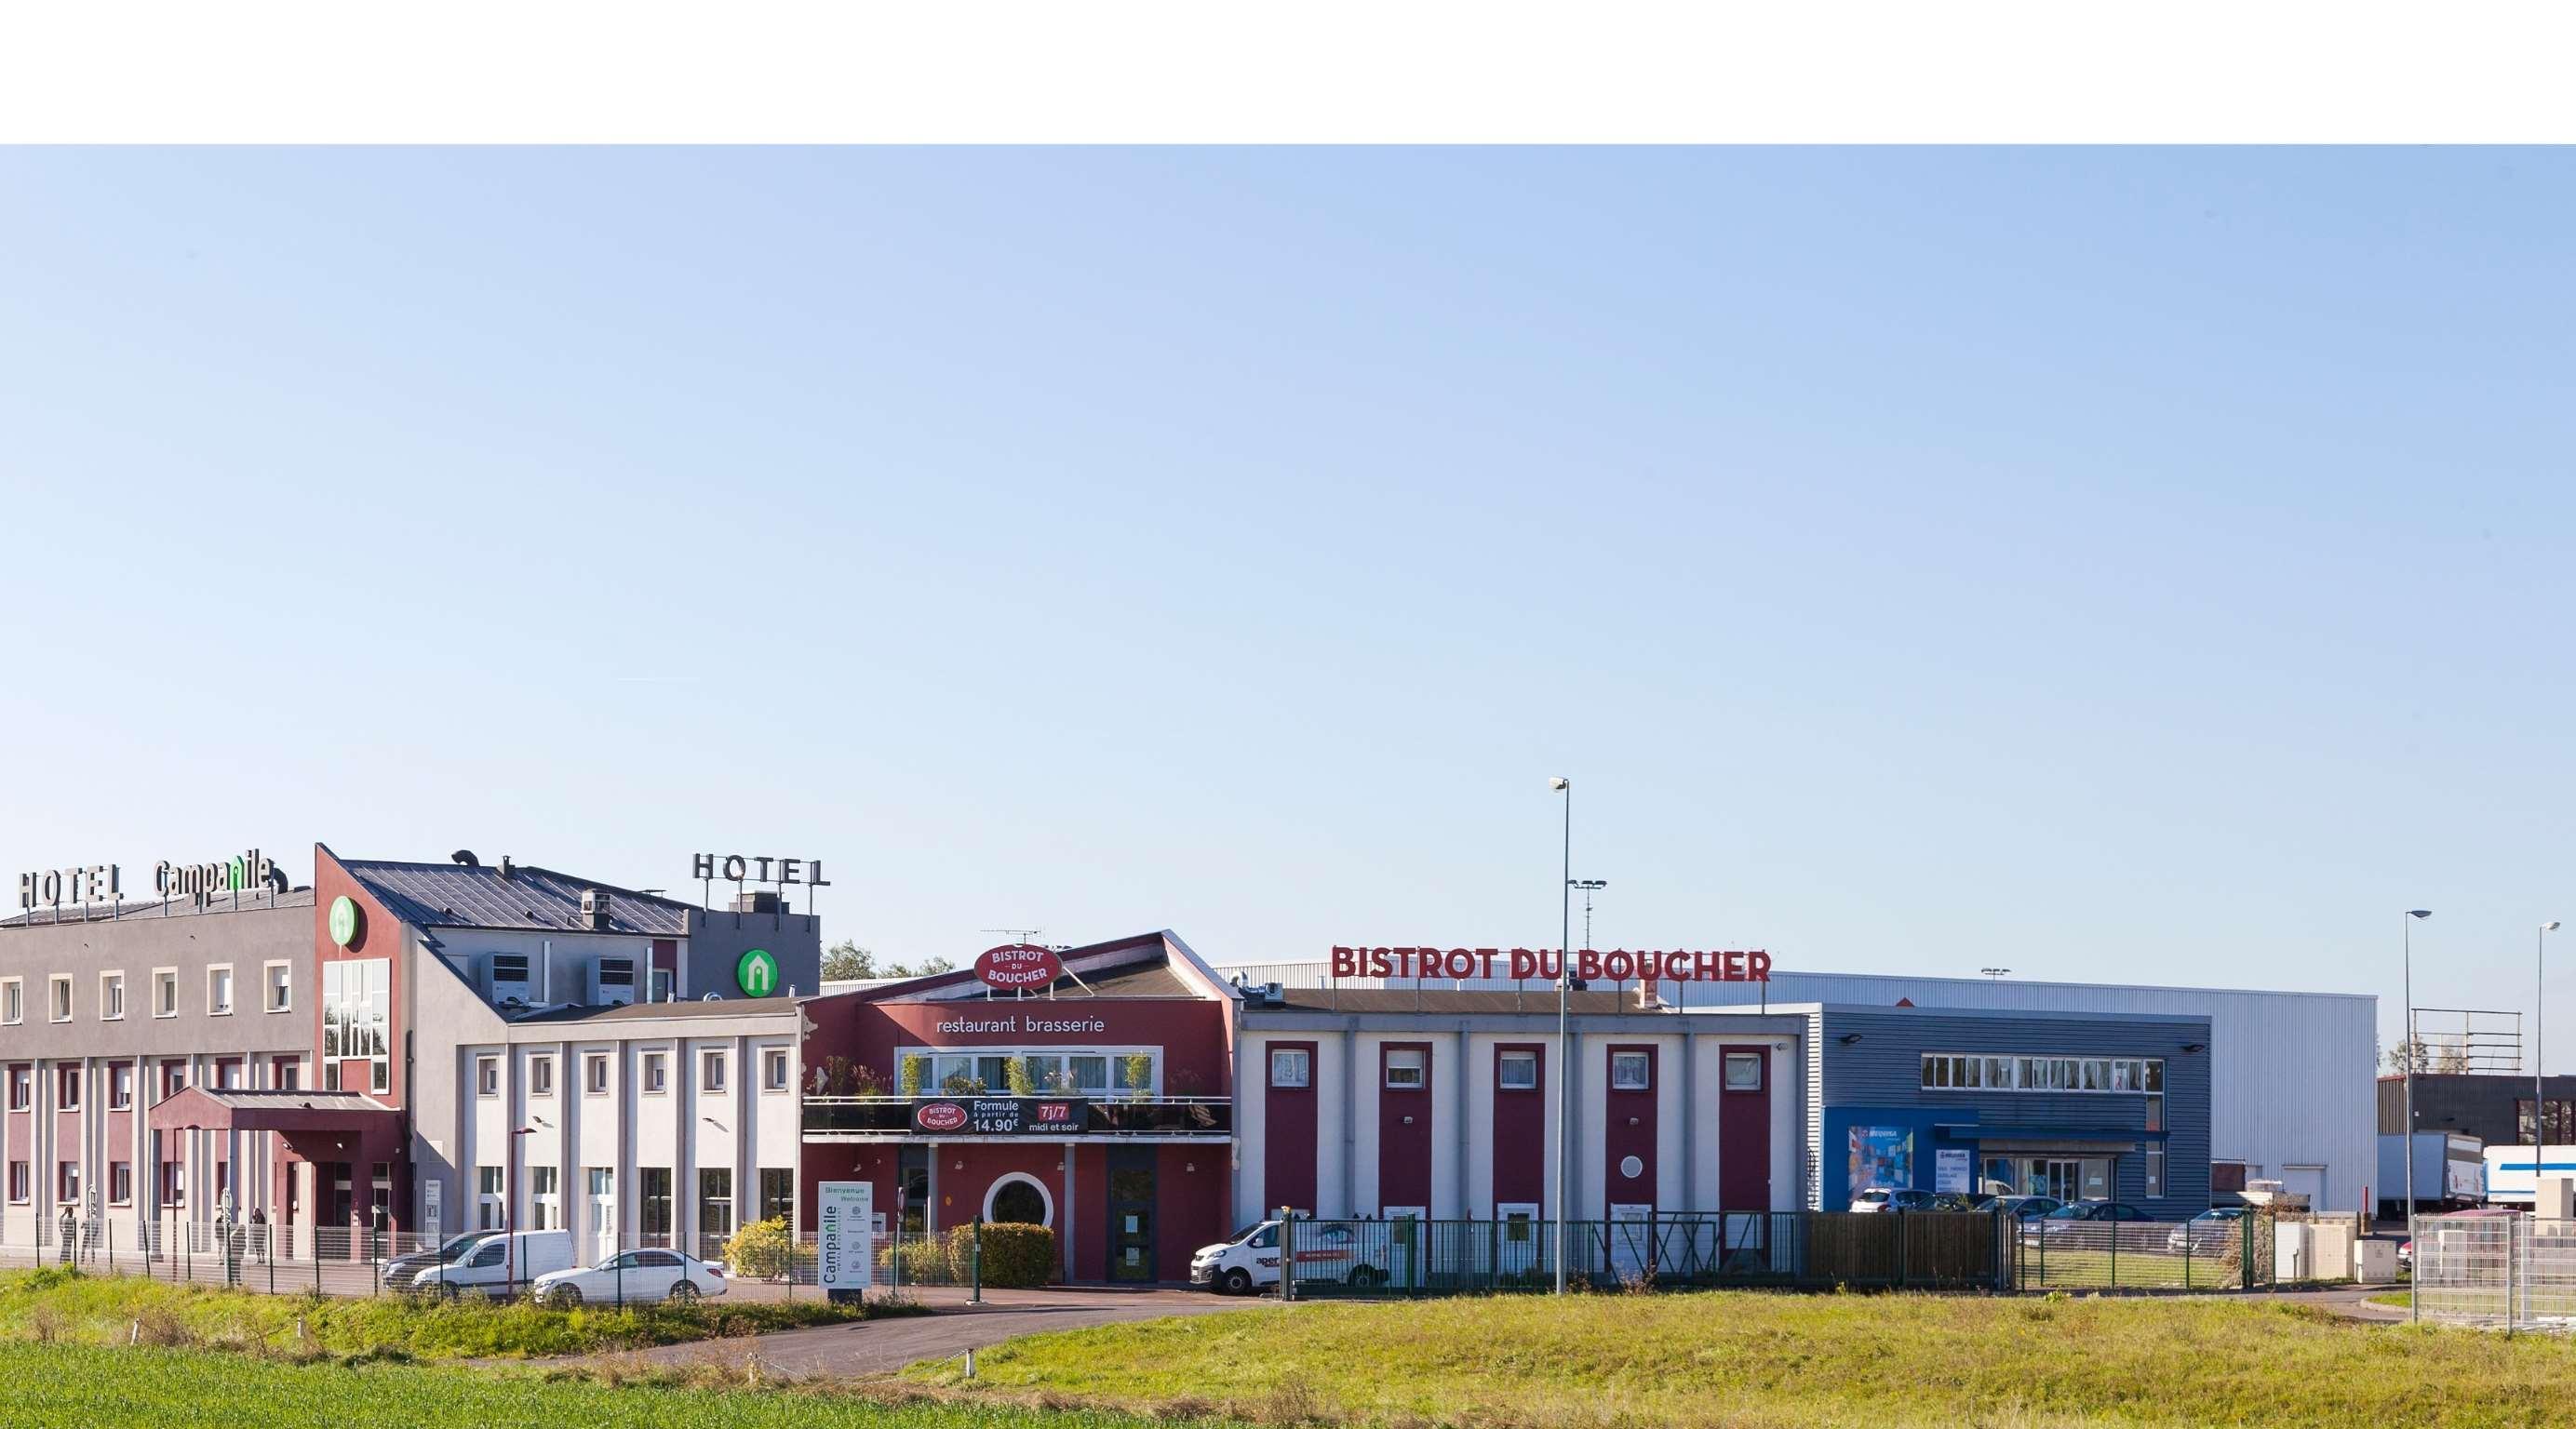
[1018, 967]
[1004, 1116]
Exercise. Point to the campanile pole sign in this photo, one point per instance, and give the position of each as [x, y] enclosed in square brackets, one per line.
[844, 1239]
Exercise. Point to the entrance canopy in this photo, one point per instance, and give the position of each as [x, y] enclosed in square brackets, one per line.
[316, 1126]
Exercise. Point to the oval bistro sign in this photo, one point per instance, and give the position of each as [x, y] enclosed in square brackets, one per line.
[1017, 967]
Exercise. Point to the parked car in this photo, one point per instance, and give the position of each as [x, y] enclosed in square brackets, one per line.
[500, 1264]
[2098, 1211]
[649, 1274]
[1873, 1199]
[2211, 1232]
[1250, 1262]
[2028, 1208]
[400, 1270]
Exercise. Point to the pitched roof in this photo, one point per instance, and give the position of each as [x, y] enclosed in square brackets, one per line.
[248, 901]
[456, 895]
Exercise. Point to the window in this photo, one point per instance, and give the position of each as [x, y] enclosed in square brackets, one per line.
[715, 1200]
[655, 1183]
[219, 990]
[67, 1182]
[285, 1073]
[357, 1016]
[67, 1088]
[1292, 1067]
[1631, 1071]
[19, 1187]
[773, 1070]
[120, 1087]
[165, 992]
[603, 1182]
[1744, 1071]
[22, 1088]
[58, 997]
[777, 1193]
[594, 1074]
[2155, 1168]
[13, 1001]
[487, 1076]
[120, 1183]
[174, 1079]
[228, 1074]
[111, 997]
[2559, 1116]
[657, 1072]
[541, 1076]
[278, 980]
[545, 1198]
[487, 1198]
[711, 1071]
[1517, 1071]
[1405, 1067]
[1947, 1071]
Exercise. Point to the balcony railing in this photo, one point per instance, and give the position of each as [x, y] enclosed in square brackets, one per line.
[1113, 1115]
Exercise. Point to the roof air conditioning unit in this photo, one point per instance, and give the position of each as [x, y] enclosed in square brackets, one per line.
[594, 909]
[506, 978]
[612, 982]
[1274, 994]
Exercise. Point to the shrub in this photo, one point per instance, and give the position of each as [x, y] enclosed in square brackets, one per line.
[1016, 1256]
[912, 1074]
[759, 1250]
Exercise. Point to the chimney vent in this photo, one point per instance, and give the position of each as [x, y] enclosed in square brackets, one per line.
[594, 909]
[507, 870]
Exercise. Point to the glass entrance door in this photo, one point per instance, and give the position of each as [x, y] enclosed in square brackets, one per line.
[1131, 1213]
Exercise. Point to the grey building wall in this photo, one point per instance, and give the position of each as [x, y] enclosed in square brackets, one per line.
[248, 933]
[2479, 1105]
[718, 939]
[1884, 1068]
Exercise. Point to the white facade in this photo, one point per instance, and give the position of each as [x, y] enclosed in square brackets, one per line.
[1348, 1134]
[2293, 1089]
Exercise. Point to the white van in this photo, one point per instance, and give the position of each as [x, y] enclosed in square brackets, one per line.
[1326, 1250]
[500, 1264]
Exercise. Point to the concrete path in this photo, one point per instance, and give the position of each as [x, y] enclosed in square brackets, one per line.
[883, 1346]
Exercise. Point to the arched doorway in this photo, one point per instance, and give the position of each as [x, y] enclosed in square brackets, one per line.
[1018, 1197]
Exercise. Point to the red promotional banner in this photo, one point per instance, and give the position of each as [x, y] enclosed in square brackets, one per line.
[1017, 967]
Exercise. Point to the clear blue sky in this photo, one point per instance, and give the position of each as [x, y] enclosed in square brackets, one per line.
[2139, 566]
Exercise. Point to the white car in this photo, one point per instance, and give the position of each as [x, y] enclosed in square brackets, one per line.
[633, 1275]
[1326, 1250]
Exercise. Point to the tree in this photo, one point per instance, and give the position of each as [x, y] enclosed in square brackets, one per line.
[846, 961]
[2395, 1057]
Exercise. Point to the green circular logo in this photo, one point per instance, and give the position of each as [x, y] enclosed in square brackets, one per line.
[344, 920]
[757, 973]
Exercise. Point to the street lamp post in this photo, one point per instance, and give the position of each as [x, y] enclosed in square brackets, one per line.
[2406, 1051]
[2539, 1009]
[1564, 1020]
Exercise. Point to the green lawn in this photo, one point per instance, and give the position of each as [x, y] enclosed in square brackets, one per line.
[1759, 1361]
[65, 1306]
[94, 1387]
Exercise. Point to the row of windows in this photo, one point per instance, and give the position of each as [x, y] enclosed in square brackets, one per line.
[120, 1182]
[1514, 1070]
[1951, 1071]
[715, 1197]
[655, 1074]
[69, 1083]
[1070, 1072]
[277, 980]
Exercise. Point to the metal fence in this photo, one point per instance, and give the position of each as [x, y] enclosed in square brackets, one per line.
[2503, 1272]
[2143, 1255]
[346, 1261]
[1928, 1250]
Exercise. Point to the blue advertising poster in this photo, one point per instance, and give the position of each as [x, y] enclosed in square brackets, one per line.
[1882, 1156]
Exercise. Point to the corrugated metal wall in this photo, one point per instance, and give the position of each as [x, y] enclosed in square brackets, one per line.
[2293, 1073]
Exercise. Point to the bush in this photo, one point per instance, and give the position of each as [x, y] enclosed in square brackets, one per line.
[759, 1250]
[1016, 1256]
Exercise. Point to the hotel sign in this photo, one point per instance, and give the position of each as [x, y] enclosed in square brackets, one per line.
[1522, 964]
[70, 887]
[1003, 1116]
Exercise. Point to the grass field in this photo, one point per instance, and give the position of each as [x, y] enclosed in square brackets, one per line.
[93, 1387]
[64, 1307]
[1755, 1361]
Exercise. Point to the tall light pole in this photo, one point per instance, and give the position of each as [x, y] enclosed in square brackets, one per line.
[2406, 1051]
[1564, 1020]
[2539, 1104]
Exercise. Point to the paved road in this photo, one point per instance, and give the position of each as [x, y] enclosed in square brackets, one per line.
[884, 1346]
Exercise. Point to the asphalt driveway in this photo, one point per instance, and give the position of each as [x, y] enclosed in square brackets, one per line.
[884, 1346]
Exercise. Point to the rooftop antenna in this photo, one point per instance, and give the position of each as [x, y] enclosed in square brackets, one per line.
[1994, 972]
